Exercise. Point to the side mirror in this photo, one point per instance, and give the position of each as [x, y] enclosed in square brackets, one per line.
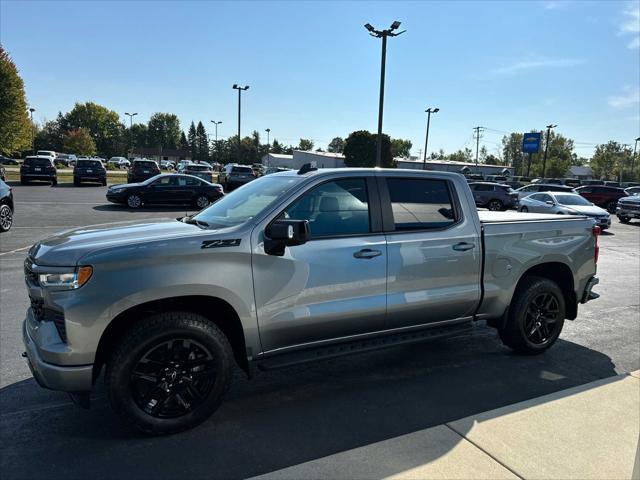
[285, 233]
[549, 202]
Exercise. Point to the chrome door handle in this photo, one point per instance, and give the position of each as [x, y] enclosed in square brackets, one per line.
[367, 253]
[463, 246]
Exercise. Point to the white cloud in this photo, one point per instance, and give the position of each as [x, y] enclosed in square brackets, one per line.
[628, 98]
[630, 24]
[526, 65]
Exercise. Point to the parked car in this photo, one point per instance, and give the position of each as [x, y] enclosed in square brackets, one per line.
[494, 196]
[65, 159]
[6, 207]
[167, 165]
[46, 153]
[605, 197]
[39, 168]
[610, 183]
[293, 267]
[629, 184]
[140, 170]
[474, 177]
[119, 162]
[89, 171]
[541, 187]
[628, 208]
[8, 161]
[3, 175]
[167, 188]
[591, 182]
[497, 179]
[271, 170]
[571, 182]
[632, 190]
[234, 175]
[200, 170]
[565, 204]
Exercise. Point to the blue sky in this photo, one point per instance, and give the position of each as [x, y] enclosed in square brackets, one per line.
[314, 71]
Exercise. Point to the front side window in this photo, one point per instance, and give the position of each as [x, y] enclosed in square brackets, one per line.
[334, 208]
[419, 204]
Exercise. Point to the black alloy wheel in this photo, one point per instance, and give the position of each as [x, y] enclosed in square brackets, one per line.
[541, 318]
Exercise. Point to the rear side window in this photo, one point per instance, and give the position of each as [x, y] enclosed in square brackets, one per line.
[419, 204]
[242, 170]
[481, 187]
[334, 208]
[189, 182]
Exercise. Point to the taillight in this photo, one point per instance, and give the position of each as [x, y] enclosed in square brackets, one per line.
[596, 233]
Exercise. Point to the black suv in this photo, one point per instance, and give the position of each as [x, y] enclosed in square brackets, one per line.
[89, 171]
[38, 168]
[140, 170]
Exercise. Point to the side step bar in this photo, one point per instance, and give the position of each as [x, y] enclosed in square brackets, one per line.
[366, 345]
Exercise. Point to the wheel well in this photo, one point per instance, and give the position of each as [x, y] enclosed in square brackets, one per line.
[561, 274]
[215, 309]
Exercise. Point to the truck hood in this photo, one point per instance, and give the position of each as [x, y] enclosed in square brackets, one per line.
[66, 248]
[635, 199]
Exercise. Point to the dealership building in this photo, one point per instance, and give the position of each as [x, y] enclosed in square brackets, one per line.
[300, 157]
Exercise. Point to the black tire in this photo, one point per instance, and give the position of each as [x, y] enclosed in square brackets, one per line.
[528, 329]
[126, 385]
[611, 206]
[495, 205]
[54, 182]
[624, 219]
[202, 201]
[134, 201]
[23, 181]
[6, 217]
[104, 182]
[524, 209]
[76, 182]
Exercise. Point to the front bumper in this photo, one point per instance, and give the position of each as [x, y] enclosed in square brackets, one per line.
[55, 377]
[588, 294]
[626, 212]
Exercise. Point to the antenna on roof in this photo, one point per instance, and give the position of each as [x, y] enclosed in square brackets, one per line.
[307, 167]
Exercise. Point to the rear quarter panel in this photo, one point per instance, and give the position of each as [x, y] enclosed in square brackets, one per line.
[512, 248]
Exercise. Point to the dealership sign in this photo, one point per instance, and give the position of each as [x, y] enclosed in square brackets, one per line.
[531, 142]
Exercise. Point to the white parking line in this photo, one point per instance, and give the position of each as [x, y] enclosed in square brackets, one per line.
[15, 251]
[60, 203]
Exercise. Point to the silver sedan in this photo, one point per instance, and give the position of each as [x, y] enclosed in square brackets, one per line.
[565, 204]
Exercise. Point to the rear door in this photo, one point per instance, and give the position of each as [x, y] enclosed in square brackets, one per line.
[434, 252]
[335, 284]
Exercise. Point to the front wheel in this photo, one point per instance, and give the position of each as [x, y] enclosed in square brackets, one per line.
[624, 219]
[611, 207]
[536, 316]
[524, 209]
[495, 205]
[134, 201]
[170, 372]
[6, 217]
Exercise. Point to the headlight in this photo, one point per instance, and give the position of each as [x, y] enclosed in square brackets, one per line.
[66, 280]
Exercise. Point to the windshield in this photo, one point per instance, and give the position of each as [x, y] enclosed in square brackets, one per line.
[572, 200]
[242, 170]
[198, 168]
[246, 202]
[37, 162]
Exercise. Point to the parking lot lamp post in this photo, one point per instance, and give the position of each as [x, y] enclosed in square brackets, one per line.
[268, 130]
[633, 159]
[131, 115]
[389, 32]
[546, 149]
[216, 144]
[240, 89]
[33, 141]
[429, 111]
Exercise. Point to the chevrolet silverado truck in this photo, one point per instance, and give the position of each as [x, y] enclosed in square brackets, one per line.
[292, 267]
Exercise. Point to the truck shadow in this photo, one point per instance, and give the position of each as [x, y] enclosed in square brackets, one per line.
[286, 417]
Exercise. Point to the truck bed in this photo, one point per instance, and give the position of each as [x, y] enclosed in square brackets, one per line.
[487, 216]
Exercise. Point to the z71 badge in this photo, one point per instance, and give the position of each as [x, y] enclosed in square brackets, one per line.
[235, 242]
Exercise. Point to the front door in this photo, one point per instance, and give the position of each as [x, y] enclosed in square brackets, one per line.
[434, 253]
[335, 284]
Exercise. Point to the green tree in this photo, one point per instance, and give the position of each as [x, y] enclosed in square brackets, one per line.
[50, 136]
[184, 144]
[102, 124]
[512, 153]
[336, 145]
[79, 142]
[137, 136]
[202, 142]
[305, 144]
[191, 139]
[465, 155]
[609, 159]
[560, 157]
[401, 148]
[276, 147]
[360, 150]
[15, 126]
[164, 131]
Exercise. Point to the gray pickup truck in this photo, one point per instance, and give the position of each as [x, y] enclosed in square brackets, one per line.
[292, 267]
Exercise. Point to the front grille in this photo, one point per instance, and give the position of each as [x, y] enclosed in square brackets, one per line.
[37, 307]
[58, 321]
[29, 274]
[629, 206]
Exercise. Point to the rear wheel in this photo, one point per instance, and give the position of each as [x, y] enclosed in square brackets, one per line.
[23, 181]
[536, 316]
[611, 206]
[170, 372]
[495, 205]
[54, 182]
[134, 201]
[6, 217]
[76, 182]
[202, 201]
[624, 219]
[524, 209]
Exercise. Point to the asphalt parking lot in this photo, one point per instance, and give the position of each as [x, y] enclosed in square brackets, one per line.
[281, 418]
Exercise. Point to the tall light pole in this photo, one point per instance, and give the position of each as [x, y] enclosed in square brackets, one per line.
[33, 141]
[478, 130]
[633, 159]
[429, 111]
[268, 130]
[131, 115]
[389, 32]
[240, 89]
[546, 149]
[216, 144]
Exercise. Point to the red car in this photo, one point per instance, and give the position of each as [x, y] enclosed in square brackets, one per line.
[602, 196]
